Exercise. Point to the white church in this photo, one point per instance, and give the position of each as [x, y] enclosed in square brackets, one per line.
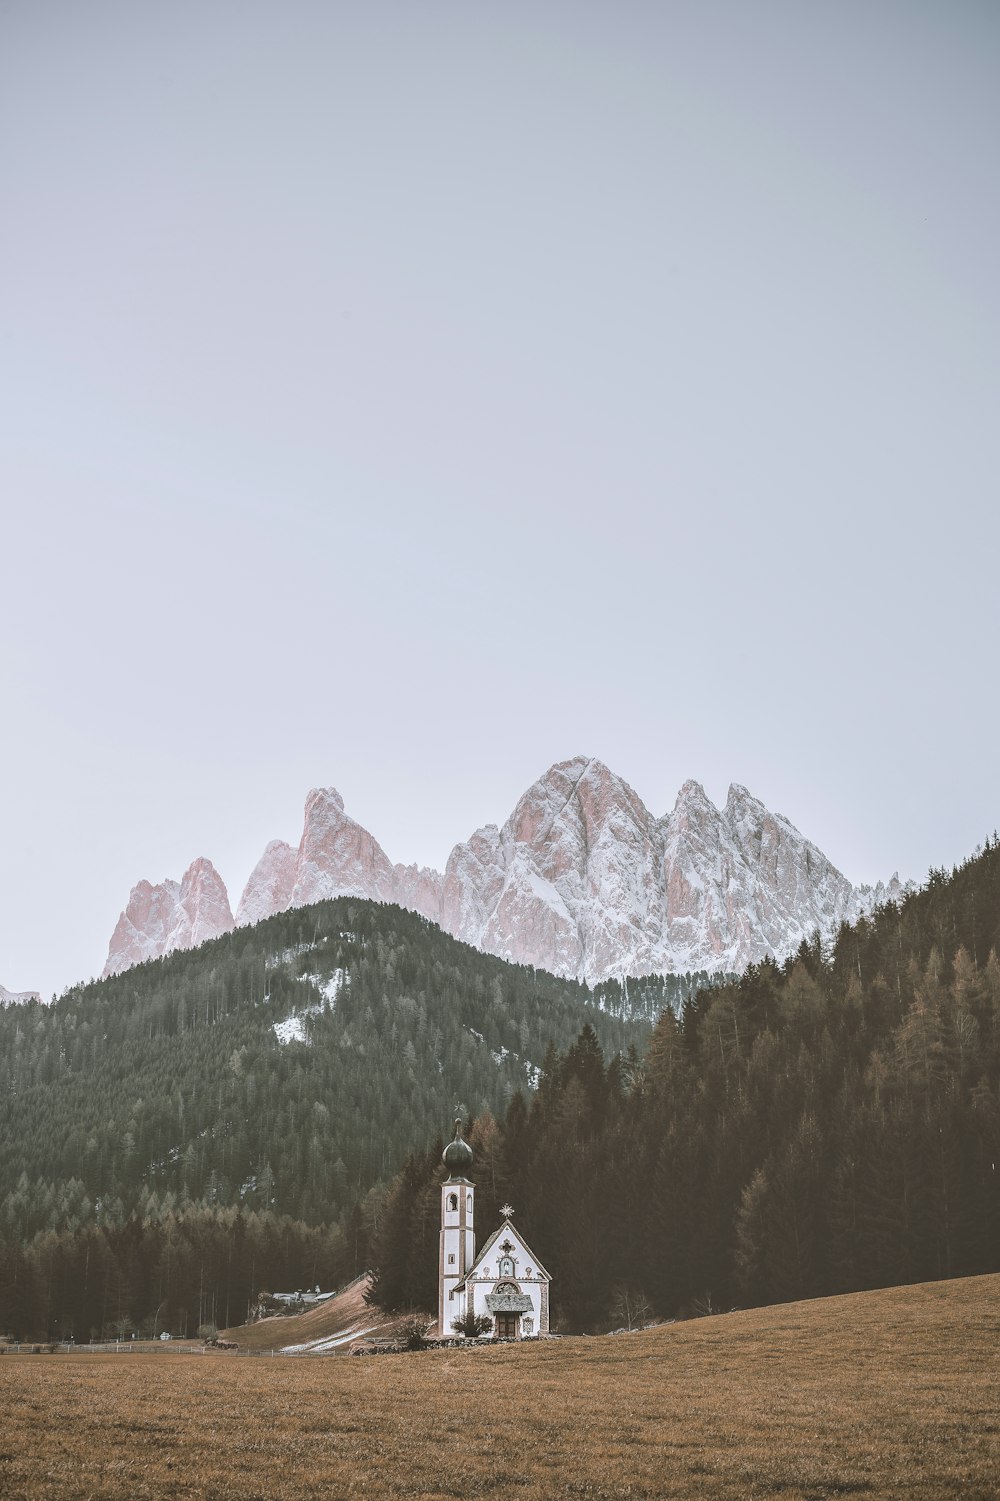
[505, 1282]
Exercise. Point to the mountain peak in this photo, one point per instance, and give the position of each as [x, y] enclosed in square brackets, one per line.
[204, 901]
[741, 803]
[576, 770]
[172, 915]
[324, 799]
[270, 884]
[693, 795]
[563, 776]
[576, 765]
[581, 880]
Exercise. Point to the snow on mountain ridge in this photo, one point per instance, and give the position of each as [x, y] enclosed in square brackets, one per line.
[270, 886]
[17, 997]
[582, 880]
[172, 915]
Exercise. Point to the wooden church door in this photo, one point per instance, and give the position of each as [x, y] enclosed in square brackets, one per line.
[507, 1325]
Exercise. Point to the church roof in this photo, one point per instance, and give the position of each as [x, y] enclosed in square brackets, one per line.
[457, 1155]
[508, 1303]
[509, 1228]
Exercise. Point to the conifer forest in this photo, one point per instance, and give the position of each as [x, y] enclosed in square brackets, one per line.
[824, 1126]
[176, 1138]
[269, 1110]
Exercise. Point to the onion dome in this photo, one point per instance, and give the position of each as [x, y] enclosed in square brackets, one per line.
[457, 1156]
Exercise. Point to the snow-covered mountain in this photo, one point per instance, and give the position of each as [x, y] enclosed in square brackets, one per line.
[172, 915]
[16, 997]
[581, 880]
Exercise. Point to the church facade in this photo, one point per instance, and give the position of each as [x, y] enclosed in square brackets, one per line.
[505, 1282]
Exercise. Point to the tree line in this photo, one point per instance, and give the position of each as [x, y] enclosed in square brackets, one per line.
[182, 1271]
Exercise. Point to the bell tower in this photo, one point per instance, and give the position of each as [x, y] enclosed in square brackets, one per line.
[458, 1237]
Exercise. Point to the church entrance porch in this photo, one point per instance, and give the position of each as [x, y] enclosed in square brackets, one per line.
[511, 1310]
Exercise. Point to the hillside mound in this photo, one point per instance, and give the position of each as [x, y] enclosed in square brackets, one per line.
[333, 1328]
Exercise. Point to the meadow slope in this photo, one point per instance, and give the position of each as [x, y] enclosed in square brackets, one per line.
[345, 1318]
[892, 1393]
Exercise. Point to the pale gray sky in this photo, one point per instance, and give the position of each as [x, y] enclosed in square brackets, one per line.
[404, 397]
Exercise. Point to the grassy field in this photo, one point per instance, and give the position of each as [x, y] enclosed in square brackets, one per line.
[893, 1394]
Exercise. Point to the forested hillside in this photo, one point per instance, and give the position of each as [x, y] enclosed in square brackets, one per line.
[227, 1098]
[172, 1079]
[826, 1126]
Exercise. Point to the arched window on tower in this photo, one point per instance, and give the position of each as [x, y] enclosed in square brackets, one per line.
[468, 1203]
[453, 1201]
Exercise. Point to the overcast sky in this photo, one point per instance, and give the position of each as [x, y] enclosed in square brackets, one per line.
[403, 397]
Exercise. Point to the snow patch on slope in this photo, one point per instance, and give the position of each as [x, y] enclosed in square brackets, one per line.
[294, 1027]
[331, 1342]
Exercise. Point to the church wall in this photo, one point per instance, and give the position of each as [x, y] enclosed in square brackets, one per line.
[515, 1265]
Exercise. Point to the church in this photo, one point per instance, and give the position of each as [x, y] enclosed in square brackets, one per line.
[506, 1282]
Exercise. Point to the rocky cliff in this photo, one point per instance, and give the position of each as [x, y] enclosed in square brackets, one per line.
[582, 880]
[172, 915]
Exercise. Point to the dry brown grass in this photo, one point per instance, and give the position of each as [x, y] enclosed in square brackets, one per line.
[887, 1394]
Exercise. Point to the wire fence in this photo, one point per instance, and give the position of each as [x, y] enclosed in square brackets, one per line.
[125, 1347]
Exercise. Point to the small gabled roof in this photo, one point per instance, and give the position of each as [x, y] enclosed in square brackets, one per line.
[509, 1228]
